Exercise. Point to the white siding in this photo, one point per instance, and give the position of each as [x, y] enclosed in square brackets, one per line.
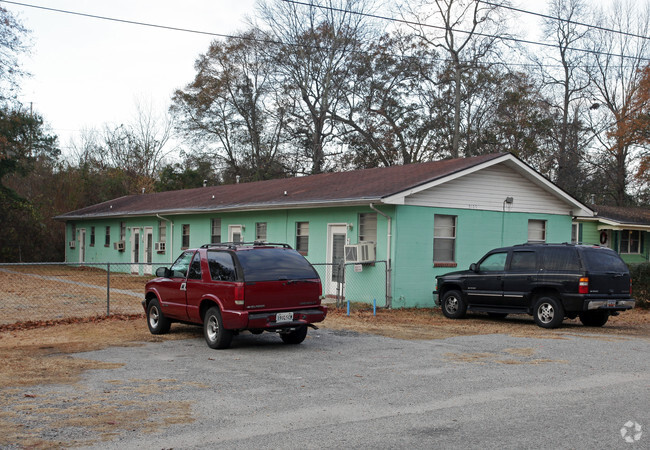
[487, 189]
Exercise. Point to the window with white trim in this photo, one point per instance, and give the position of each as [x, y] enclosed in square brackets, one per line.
[368, 227]
[536, 231]
[260, 231]
[215, 231]
[186, 236]
[630, 242]
[444, 239]
[302, 237]
[162, 231]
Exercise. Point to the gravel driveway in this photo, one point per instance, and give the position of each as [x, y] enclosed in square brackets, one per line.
[347, 390]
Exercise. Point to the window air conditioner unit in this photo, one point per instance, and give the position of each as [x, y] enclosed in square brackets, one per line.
[72, 244]
[119, 246]
[159, 246]
[363, 252]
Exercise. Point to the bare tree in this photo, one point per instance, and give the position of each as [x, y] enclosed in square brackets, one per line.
[318, 38]
[233, 108]
[615, 74]
[466, 31]
[563, 78]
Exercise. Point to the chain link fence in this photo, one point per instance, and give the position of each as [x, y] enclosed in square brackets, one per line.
[356, 283]
[53, 291]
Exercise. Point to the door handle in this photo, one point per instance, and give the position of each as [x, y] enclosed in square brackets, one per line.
[183, 286]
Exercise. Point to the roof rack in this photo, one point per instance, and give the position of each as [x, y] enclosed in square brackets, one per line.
[233, 245]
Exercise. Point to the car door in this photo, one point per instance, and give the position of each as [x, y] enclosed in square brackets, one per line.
[486, 287]
[172, 290]
[195, 287]
[519, 278]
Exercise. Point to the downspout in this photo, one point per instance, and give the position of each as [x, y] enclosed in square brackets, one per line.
[171, 236]
[389, 235]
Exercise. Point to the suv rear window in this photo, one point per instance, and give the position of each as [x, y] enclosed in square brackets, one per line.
[560, 259]
[272, 264]
[600, 259]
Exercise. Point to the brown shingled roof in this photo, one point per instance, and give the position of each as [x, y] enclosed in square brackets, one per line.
[335, 187]
[624, 215]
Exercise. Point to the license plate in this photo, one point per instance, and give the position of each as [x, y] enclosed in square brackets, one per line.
[611, 303]
[284, 317]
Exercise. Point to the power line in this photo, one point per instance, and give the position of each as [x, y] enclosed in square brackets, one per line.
[425, 25]
[560, 19]
[271, 41]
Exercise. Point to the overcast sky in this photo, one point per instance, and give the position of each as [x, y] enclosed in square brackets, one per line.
[89, 72]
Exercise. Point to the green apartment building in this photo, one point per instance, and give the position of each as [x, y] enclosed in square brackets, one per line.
[420, 220]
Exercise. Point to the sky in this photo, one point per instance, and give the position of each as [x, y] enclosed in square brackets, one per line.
[87, 73]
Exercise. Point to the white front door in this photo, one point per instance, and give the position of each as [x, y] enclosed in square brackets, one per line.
[235, 233]
[135, 250]
[336, 240]
[82, 245]
[148, 250]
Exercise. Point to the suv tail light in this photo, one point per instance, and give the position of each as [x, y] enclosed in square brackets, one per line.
[583, 286]
[630, 286]
[239, 294]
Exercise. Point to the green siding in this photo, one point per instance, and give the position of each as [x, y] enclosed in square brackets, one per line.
[477, 232]
[413, 275]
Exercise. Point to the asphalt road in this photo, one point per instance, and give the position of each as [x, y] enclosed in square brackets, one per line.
[348, 390]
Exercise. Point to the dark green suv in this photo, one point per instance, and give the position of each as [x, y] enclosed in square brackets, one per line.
[548, 281]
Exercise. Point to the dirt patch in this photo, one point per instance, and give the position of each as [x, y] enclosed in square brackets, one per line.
[431, 324]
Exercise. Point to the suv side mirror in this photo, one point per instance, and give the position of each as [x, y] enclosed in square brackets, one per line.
[473, 267]
[163, 272]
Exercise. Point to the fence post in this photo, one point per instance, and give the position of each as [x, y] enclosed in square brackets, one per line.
[108, 289]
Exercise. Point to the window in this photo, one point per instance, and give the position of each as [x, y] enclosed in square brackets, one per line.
[186, 236]
[222, 267]
[215, 231]
[368, 227]
[195, 268]
[107, 240]
[181, 265]
[630, 241]
[273, 264]
[73, 231]
[523, 261]
[444, 239]
[162, 231]
[496, 262]
[92, 236]
[536, 231]
[575, 233]
[122, 231]
[560, 259]
[302, 237]
[260, 231]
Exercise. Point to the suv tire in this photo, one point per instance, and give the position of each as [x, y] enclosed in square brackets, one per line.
[453, 305]
[296, 336]
[156, 321]
[594, 318]
[215, 334]
[548, 312]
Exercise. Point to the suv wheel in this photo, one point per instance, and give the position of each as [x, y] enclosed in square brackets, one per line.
[548, 312]
[296, 336]
[215, 334]
[453, 305]
[594, 318]
[156, 321]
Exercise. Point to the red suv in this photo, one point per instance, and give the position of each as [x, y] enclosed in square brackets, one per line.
[232, 287]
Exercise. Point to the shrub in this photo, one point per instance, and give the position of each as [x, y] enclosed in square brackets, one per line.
[640, 274]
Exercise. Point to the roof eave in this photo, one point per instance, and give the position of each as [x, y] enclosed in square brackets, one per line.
[230, 208]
